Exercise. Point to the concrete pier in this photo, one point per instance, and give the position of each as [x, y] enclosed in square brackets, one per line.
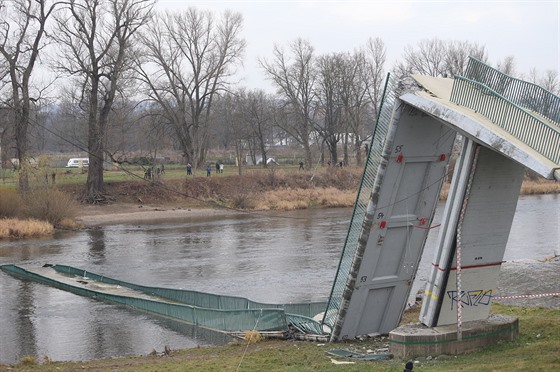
[413, 340]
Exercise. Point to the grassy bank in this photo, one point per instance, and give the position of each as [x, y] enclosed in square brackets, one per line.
[275, 188]
[535, 350]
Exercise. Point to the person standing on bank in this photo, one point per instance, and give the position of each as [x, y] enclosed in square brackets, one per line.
[208, 170]
[189, 169]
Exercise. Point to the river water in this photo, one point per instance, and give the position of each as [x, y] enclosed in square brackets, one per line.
[268, 257]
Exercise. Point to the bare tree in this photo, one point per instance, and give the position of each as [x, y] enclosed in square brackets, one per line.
[428, 58]
[507, 65]
[22, 30]
[188, 58]
[329, 91]
[373, 71]
[95, 39]
[240, 131]
[549, 81]
[457, 56]
[133, 128]
[367, 76]
[435, 57]
[295, 79]
[257, 113]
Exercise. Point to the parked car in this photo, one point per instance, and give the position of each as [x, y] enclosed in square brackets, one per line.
[78, 163]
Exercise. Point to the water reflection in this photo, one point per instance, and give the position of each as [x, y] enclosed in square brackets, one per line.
[97, 245]
[25, 316]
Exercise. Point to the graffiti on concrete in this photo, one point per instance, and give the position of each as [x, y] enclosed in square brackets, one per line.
[471, 298]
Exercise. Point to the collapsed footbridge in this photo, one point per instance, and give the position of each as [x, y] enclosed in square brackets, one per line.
[506, 125]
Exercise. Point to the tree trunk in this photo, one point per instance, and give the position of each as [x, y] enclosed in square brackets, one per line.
[345, 149]
[94, 183]
[308, 157]
[358, 147]
[21, 123]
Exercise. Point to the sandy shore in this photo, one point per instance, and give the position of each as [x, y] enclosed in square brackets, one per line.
[100, 215]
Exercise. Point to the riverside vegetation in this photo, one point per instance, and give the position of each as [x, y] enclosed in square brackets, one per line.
[47, 206]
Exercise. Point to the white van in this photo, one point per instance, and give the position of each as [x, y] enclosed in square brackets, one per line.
[78, 163]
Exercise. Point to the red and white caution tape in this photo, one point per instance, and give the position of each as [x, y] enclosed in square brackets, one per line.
[527, 296]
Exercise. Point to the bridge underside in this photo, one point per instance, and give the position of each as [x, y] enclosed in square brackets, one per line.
[399, 218]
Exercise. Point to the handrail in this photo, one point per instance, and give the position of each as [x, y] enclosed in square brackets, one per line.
[523, 93]
[305, 324]
[537, 134]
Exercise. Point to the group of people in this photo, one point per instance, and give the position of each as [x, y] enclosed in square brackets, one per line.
[151, 173]
[219, 169]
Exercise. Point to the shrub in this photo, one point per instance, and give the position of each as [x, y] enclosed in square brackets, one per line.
[50, 205]
[28, 360]
[252, 337]
[10, 203]
[243, 201]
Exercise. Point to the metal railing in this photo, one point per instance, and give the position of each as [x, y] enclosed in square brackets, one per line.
[305, 324]
[525, 94]
[540, 136]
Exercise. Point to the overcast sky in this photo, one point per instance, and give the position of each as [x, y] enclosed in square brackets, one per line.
[527, 30]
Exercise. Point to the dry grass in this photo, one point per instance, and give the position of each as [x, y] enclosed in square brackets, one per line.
[529, 187]
[444, 191]
[273, 189]
[252, 337]
[28, 360]
[291, 199]
[16, 228]
[534, 187]
[69, 224]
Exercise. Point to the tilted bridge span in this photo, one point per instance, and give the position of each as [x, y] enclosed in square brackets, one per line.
[506, 125]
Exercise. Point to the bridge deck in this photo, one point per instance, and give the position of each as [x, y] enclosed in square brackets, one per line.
[435, 100]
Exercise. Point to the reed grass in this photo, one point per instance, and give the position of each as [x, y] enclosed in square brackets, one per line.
[531, 187]
[528, 187]
[292, 199]
[18, 228]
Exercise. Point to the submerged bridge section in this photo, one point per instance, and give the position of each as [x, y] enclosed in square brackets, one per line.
[506, 125]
